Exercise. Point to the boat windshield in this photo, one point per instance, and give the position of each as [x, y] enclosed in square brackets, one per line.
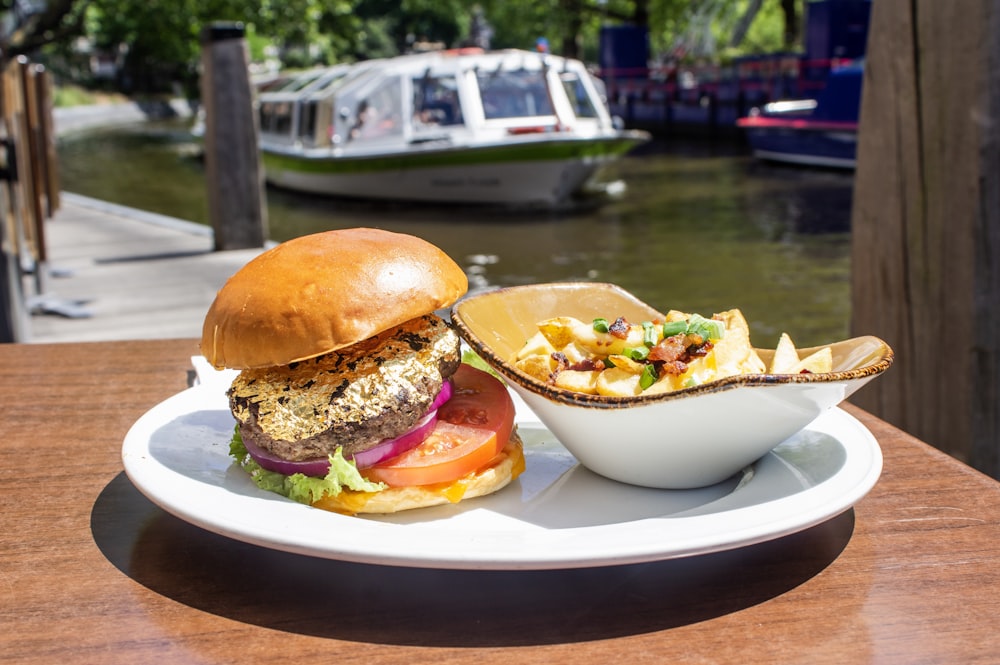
[379, 114]
[514, 94]
[435, 102]
[579, 98]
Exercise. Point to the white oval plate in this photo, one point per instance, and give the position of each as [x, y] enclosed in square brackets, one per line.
[556, 515]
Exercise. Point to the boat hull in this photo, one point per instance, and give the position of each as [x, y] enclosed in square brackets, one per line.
[814, 132]
[545, 172]
[831, 149]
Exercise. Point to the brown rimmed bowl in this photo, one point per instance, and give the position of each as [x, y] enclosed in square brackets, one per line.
[684, 439]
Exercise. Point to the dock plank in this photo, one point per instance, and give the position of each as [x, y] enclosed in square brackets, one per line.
[134, 274]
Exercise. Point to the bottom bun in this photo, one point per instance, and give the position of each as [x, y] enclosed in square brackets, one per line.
[505, 467]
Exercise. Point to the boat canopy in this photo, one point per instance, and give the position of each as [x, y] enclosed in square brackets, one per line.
[423, 97]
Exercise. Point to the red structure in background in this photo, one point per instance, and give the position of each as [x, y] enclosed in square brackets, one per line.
[663, 97]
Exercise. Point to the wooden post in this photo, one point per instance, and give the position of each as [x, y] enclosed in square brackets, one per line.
[34, 181]
[14, 321]
[232, 161]
[35, 152]
[21, 188]
[926, 222]
[47, 141]
[13, 313]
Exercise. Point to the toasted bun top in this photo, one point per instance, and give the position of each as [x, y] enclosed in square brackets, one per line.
[317, 293]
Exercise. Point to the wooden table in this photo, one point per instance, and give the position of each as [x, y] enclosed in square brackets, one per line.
[92, 572]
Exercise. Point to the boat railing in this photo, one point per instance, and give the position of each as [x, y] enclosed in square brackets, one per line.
[770, 77]
[790, 106]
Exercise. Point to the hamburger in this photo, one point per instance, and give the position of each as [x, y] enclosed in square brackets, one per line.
[352, 395]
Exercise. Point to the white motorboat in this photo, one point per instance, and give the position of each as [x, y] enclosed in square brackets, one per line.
[503, 127]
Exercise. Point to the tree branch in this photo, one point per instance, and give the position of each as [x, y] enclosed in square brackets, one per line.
[46, 27]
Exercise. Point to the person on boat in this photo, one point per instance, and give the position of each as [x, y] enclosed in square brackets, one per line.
[362, 116]
[371, 124]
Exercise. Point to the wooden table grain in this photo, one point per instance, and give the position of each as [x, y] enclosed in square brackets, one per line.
[92, 572]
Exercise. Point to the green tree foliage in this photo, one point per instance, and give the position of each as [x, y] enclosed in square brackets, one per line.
[706, 28]
[27, 27]
[155, 44]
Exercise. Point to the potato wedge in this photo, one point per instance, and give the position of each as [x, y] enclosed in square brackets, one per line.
[818, 363]
[565, 330]
[785, 356]
[537, 345]
[574, 353]
[559, 331]
[627, 364]
[733, 353]
[540, 367]
[616, 382]
[578, 381]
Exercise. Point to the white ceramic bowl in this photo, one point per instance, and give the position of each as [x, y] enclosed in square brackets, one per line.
[680, 440]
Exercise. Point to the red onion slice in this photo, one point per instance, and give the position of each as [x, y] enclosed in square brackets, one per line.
[447, 389]
[399, 445]
[382, 451]
[318, 466]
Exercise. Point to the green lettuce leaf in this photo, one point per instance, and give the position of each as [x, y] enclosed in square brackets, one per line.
[470, 357]
[300, 487]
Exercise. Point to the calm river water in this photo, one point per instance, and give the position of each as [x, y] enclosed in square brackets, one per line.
[702, 226]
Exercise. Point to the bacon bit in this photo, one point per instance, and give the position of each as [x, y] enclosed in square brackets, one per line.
[675, 367]
[562, 362]
[668, 350]
[588, 365]
[620, 328]
[700, 350]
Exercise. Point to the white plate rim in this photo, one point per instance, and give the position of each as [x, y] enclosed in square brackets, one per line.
[256, 517]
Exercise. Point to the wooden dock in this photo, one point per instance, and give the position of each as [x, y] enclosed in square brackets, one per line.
[119, 273]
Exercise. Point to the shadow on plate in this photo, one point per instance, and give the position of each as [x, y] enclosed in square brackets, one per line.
[455, 608]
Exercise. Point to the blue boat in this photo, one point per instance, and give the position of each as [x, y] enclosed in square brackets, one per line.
[815, 132]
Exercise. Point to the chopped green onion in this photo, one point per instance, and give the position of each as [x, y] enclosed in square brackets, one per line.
[718, 329]
[706, 328]
[601, 325]
[671, 328]
[608, 363]
[648, 334]
[638, 353]
[648, 377]
[691, 383]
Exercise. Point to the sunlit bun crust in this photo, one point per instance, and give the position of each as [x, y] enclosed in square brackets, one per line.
[396, 499]
[321, 292]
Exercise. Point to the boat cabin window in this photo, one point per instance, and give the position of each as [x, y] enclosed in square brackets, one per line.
[299, 82]
[579, 99]
[514, 94]
[307, 121]
[435, 102]
[275, 117]
[379, 113]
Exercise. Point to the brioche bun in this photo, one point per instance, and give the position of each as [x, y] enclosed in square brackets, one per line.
[321, 292]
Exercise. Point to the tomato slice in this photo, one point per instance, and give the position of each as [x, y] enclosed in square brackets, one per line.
[479, 400]
[473, 427]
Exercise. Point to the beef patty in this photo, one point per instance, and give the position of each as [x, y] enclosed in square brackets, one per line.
[353, 398]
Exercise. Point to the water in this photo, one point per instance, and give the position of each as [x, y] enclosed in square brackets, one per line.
[702, 226]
